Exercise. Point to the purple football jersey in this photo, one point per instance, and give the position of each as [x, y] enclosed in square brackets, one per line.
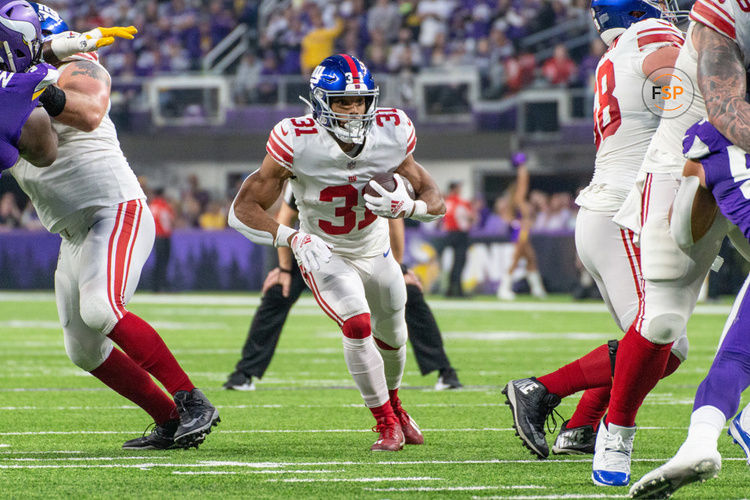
[19, 95]
[727, 171]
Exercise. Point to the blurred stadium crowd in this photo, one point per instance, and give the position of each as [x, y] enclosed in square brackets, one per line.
[291, 37]
[400, 37]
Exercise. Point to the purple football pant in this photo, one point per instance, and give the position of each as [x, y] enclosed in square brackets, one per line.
[730, 372]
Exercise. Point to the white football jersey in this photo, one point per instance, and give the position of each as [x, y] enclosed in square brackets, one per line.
[90, 170]
[327, 183]
[731, 18]
[623, 125]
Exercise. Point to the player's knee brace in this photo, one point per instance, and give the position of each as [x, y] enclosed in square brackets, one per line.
[97, 312]
[357, 327]
[664, 328]
[87, 350]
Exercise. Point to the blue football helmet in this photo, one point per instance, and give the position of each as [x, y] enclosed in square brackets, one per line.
[20, 36]
[343, 75]
[613, 17]
[51, 22]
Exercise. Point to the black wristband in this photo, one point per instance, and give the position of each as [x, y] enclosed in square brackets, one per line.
[53, 100]
[289, 271]
[404, 269]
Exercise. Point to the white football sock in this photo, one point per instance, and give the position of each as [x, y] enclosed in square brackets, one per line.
[394, 362]
[366, 367]
[706, 424]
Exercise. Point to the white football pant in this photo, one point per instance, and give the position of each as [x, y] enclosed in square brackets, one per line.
[346, 287]
[101, 257]
[609, 254]
[673, 277]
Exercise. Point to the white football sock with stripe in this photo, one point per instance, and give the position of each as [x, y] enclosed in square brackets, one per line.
[394, 361]
[366, 367]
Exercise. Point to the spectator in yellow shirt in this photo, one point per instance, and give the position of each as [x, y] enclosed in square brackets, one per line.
[214, 218]
[318, 43]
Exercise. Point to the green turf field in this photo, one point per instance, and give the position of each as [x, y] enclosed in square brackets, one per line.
[305, 433]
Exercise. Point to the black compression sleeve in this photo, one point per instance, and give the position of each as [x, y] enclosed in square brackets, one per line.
[53, 100]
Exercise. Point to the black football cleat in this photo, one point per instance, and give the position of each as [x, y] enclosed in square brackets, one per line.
[197, 416]
[160, 438]
[530, 404]
[575, 440]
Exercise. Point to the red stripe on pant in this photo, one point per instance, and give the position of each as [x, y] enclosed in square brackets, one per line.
[634, 258]
[308, 277]
[134, 237]
[118, 259]
[112, 238]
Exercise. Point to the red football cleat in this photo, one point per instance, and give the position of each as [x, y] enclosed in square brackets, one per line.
[412, 433]
[391, 436]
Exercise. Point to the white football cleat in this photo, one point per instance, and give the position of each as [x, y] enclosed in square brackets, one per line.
[611, 466]
[692, 462]
[739, 429]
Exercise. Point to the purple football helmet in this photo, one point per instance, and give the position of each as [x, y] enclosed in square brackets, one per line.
[20, 36]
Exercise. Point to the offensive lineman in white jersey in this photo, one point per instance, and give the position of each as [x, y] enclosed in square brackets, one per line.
[639, 43]
[721, 55]
[673, 276]
[92, 198]
[342, 246]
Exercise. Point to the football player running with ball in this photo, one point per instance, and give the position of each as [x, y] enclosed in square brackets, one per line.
[342, 246]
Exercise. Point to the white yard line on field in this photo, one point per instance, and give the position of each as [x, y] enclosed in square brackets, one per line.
[294, 431]
[658, 401]
[45, 452]
[543, 497]
[72, 459]
[254, 300]
[205, 472]
[462, 488]
[351, 480]
[158, 325]
[259, 472]
[260, 465]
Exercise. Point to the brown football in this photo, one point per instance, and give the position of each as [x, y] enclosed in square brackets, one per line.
[389, 183]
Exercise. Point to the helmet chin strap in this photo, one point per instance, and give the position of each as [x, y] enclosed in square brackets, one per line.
[309, 104]
[10, 61]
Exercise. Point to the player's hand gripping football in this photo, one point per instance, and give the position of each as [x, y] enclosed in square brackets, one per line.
[389, 204]
[310, 251]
